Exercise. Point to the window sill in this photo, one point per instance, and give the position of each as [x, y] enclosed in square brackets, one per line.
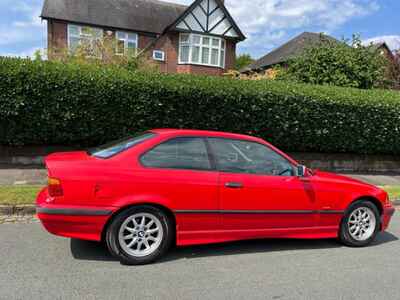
[200, 65]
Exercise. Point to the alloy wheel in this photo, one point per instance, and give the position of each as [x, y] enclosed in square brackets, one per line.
[140, 234]
[362, 223]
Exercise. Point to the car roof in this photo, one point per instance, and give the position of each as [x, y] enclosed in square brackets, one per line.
[206, 133]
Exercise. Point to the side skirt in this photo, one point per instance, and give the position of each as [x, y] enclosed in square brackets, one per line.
[209, 235]
[185, 238]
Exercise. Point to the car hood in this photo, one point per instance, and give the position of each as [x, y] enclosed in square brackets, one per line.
[340, 179]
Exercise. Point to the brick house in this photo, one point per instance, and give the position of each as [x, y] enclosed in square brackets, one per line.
[383, 49]
[198, 39]
[393, 68]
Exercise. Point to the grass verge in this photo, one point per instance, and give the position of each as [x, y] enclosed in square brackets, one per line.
[393, 191]
[19, 194]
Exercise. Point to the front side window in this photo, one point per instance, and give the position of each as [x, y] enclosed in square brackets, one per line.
[89, 38]
[180, 153]
[127, 43]
[237, 156]
[116, 147]
[201, 50]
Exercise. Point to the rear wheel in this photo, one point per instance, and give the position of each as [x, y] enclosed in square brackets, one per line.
[360, 224]
[139, 235]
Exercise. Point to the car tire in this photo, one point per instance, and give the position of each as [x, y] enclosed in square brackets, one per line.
[360, 224]
[139, 235]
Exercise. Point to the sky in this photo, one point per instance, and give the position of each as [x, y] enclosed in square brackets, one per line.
[267, 24]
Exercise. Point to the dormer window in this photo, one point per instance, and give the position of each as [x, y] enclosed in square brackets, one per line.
[202, 50]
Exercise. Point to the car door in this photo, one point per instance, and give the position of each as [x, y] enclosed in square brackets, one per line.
[258, 188]
[180, 171]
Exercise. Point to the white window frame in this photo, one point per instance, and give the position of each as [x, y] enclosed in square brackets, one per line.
[191, 43]
[155, 52]
[126, 41]
[81, 35]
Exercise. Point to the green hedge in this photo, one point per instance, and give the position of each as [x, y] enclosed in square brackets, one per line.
[50, 103]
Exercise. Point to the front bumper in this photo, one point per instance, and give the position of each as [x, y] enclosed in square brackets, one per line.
[78, 222]
[387, 215]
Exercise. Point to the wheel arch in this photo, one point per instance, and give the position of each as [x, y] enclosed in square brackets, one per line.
[168, 212]
[371, 199]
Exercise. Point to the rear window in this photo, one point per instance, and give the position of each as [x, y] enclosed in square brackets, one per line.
[116, 147]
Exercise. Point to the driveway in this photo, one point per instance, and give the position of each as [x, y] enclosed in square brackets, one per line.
[37, 265]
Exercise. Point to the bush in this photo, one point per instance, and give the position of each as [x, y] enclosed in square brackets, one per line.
[54, 103]
[335, 63]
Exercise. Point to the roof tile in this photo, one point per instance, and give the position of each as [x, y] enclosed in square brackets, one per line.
[151, 16]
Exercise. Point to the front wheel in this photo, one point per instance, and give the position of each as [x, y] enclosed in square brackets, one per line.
[139, 235]
[360, 224]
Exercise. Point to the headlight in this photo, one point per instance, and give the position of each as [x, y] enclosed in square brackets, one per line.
[387, 199]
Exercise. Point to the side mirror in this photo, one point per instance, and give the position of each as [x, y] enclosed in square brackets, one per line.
[301, 171]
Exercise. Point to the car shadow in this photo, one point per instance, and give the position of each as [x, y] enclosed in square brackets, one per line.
[264, 245]
[95, 251]
[88, 250]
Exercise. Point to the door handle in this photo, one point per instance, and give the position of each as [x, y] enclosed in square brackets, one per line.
[305, 179]
[234, 185]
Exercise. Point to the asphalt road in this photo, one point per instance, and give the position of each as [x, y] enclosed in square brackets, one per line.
[37, 265]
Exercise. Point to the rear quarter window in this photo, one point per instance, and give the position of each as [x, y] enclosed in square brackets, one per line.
[183, 153]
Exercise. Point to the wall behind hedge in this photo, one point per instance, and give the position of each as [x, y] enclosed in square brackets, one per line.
[53, 103]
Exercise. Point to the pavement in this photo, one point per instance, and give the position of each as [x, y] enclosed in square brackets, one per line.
[37, 265]
[33, 176]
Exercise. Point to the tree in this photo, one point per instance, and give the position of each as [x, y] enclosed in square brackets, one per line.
[37, 55]
[339, 64]
[242, 61]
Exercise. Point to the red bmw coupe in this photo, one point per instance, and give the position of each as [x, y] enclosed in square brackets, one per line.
[147, 192]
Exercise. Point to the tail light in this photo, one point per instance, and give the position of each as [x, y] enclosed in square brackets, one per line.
[54, 187]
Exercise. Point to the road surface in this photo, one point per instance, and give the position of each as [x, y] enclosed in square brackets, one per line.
[37, 265]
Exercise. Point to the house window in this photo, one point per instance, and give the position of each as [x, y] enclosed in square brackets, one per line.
[84, 36]
[202, 50]
[127, 43]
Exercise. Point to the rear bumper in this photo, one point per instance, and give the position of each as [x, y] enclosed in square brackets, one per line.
[79, 227]
[78, 222]
[388, 212]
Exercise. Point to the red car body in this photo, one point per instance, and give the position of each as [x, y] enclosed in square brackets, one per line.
[204, 210]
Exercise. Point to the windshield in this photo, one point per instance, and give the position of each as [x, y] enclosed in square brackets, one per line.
[116, 147]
